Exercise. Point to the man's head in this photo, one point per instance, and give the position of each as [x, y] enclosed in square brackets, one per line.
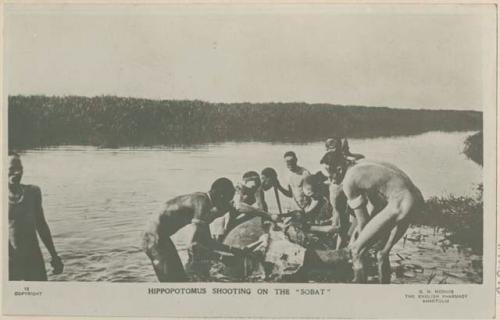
[290, 160]
[15, 169]
[333, 144]
[310, 185]
[251, 180]
[269, 178]
[335, 165]
[222, 192]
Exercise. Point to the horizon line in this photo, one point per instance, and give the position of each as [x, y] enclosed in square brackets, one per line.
[240, 102]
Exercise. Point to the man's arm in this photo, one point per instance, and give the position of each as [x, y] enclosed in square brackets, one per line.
[355, 156]
[261, 200]
[311, 206]
[286, 192]
[200, 232]
[329, 227]
[43, 230]
[249, 210]
[201, 237]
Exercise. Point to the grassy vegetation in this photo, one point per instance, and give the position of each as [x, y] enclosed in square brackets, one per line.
[461, 216]
[473, 148]
[38, 121]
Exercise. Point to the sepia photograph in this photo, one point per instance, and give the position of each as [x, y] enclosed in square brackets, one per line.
[238, 144]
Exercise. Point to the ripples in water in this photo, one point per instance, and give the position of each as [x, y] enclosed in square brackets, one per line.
[97, 201]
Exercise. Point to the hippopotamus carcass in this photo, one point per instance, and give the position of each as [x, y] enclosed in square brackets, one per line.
[282, 254]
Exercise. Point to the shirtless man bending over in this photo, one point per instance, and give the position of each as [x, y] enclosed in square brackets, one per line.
[379, 183]
[198, 209]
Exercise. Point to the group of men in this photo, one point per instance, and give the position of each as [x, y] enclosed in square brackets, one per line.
[360, 204]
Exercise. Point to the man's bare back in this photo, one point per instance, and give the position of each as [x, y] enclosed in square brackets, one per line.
[196, 209]
[180, 211]
[384, 179]
[386, 224]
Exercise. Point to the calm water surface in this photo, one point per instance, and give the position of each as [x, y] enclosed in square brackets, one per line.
[98, 200]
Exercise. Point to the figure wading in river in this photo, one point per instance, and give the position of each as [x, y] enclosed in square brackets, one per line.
[26, 219]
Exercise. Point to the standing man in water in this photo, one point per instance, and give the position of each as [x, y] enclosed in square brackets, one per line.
[336, 166]
[26, 219]
[197, 210]
[296, 176]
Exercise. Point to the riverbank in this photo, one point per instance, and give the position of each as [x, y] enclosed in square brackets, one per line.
[107, 121]
[426, 256]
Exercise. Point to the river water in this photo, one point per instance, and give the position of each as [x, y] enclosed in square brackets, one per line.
[97, 201]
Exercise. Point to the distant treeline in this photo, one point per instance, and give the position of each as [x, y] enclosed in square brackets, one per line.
[38, 121]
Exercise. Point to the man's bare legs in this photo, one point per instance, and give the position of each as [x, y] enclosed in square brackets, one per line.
[384, 265]
[165, 259]
[391, 220]
[340, 212]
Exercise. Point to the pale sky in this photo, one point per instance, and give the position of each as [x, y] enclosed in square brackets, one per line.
[284, 53]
